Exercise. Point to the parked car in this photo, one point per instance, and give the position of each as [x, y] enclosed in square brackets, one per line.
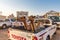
[6, 23]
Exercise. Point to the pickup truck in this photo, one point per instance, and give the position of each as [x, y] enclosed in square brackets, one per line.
[36, 32]
[6, 23]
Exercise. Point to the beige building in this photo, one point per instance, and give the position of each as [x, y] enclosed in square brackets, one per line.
[22, 13]
[51, 13]
[2, 17]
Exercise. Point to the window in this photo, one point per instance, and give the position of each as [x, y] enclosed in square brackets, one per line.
[54, 18]
[13, 20]
[37, 25]
[7, 20]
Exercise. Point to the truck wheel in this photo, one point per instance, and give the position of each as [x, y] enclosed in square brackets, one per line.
[9, 39]
[55, 33]
[4, 26]
[48, 38]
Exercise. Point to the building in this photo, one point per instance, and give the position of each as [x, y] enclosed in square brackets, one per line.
[11, 16]
[2, 17]
[51, 13]
[22, 13]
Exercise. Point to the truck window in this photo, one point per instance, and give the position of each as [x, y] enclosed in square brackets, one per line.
[13, 20]
[54, 18]
[40, 26]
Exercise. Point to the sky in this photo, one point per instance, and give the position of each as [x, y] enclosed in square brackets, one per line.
[34, 7]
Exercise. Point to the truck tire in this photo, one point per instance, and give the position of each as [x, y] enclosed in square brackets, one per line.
[4, 26]
[48, 38]
[9, 39]
[55, 33]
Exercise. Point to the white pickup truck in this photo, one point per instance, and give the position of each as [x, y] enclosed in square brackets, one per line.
[36, 33]
[6, 23]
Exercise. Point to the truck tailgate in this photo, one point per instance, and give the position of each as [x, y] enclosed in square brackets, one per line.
[19, 35]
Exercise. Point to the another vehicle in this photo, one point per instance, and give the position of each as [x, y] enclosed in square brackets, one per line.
[55, 19]
[32, 31]
[6, 23]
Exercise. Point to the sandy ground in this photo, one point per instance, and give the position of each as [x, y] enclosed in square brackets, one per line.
[3, 34]
[57, 36]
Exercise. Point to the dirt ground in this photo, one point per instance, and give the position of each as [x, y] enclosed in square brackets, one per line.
[57, 36]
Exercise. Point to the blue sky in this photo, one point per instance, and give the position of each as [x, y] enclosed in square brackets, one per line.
[34, 7]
